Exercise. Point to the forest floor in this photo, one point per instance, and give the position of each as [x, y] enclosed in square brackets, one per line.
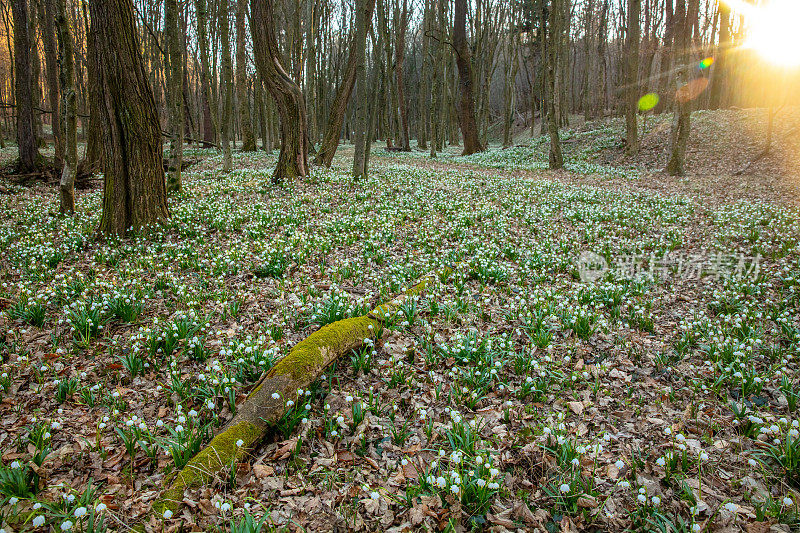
[615, 348]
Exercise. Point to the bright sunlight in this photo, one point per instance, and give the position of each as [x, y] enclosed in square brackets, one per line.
[773, 33]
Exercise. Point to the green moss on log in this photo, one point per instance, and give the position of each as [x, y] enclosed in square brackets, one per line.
[220, 453]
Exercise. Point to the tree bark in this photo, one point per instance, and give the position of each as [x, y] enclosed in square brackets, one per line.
[719, 81]
[209, 109]
[47, 16]
[679, 134]
[552, 38]
[401, 22]
[293, 158]
[466, 108]
[363, 15]
[175, 94]
[134, 192]
[227, 86]
[632, 77]
[27, 140]
[245, 119]
[333, 130]
[66, 61]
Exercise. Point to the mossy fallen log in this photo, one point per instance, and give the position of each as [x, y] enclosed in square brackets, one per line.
[266, 404]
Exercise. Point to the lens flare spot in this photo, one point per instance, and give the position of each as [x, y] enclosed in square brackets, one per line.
[691, 90]
[648, 102]
[707, 62]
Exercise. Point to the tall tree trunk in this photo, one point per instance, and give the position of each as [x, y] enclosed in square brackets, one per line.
[175, 94]
[66, 61]
[333, 131]
[401, 22]
[226, 86]
[245, 119]
[209, 108]
[134, 192]
[719, 76]
[679, 134]
[363, 16]
[632, 77]
[313, 15]
[293, 158]
[466, 108]
[509, 89]
[601, 97]
[27, 140]
[422, 123]
[551, 25]
[437, 102]
[47, 16]
[93, 156]
[588, 79]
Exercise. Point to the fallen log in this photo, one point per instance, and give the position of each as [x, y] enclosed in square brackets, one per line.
[266, 404]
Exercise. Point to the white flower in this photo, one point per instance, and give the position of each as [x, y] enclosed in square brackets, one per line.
[276, 396]
[13, 500]
[619, 464]
[642, 498]
[100, 507]
[564, 488]
[661, 462]
[732, 507]
[656, 500]
[696, 528]
[225, 507]
[787, 501]
[80, 511]
[38, 521]
[239, 443]
[454, 489]
[167, 514]
[66, 526]
[703, 456]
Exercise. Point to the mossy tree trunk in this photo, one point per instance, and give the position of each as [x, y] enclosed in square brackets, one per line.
[466, 105]
[293, 158]
[66, 61]
[134, 192]
[174, 94]
[333, 130]
[24, 89]
[93, 157]
[267, 403]
[245, 118]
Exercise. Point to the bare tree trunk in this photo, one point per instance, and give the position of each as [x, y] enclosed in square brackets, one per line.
[719, 76]
[601, 97]
[226, 86]
[209, 109]
[632, 77]
[552, 38]
[401, 20]
[469, 127]
[66, 61]
[27, 140]
[293, 158]
[509, 88]
[134, 195]
[175, 94]
[363, 15]
[93, 156]
[333, 131]
[683, 99]
[245, 119]
[47, 16]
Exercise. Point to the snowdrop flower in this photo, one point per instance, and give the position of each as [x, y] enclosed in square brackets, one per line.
[225, 507]
[100, 507]
[732, 507]
[276, 396]
[564, 488]
[38, 521]
[619, 464]
[787, 501]
[642, 498]
[455, 489]
[66, 526]
[13, 500]
[661, 462]
[239, 443]
[167, 514]
[703, 456]
[656, 500]
[79, 512]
